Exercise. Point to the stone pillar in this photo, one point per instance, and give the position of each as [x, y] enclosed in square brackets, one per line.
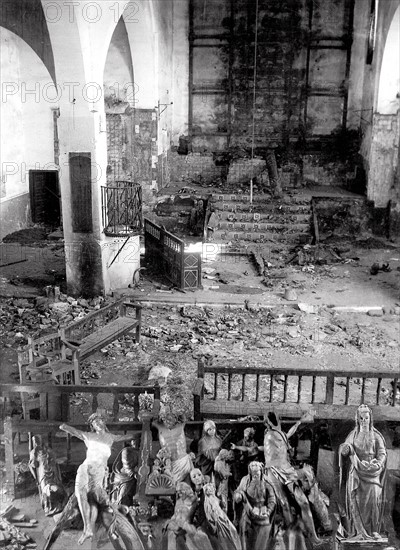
[383, 158]
[80, 33]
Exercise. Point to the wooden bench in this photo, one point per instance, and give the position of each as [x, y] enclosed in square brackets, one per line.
[101, 327]
[239, 392]
[49, 360]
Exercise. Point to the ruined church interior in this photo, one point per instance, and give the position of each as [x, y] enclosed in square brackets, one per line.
[200, 267]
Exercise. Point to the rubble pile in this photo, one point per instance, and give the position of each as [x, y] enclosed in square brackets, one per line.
[11, 536]
[173, 338]
[23, 317]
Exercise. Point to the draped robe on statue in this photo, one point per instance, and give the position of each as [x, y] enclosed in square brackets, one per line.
[362, 482]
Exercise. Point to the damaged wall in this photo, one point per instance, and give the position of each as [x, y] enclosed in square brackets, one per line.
[302, 71]
[381, 108]
[309, 73]
[28, 94]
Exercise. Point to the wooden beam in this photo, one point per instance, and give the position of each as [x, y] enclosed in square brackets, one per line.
[210, 408]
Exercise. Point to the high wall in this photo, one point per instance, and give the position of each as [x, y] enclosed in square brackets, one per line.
[381, 111]
[27, 99]
[91, 50]
[298, 55]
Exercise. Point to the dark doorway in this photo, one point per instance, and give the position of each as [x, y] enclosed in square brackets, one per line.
[45, 197]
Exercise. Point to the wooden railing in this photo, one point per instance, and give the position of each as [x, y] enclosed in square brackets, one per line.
[15, 425]
[167, 253]
[45, 392]
[258, 390]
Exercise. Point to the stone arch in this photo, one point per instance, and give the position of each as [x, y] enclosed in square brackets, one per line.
[389, 77]
[139, 19]
[27, 19]
[118, 78]
[29, 98]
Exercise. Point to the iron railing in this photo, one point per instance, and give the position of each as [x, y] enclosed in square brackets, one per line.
[121, 207]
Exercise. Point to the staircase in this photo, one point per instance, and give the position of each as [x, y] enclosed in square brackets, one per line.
[286, 220]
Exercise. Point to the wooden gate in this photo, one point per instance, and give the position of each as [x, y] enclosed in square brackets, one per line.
[167, 252]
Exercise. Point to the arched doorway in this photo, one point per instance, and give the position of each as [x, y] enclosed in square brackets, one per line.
[388, 101]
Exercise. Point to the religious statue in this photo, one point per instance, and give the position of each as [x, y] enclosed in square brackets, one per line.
[124, 475]
[223, 474]
[46, 471]
[208, 448]
[218, 522]
[198, 480]
[121, 533]
[180, 526]
[283, 476]
[257, 502]
[249, 451]
[91, 477]
[362, 462]
[319, 501]
[171, 435]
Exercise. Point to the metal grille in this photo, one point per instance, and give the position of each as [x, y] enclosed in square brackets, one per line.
[121, 206]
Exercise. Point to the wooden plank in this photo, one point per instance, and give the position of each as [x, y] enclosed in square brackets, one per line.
[198, 387]
[299, 389]
[224, 408]
[106, 335]
[40, 426]
[9, 455]
[395, 381]
[313, 389]
[378, 391]
[346, 401]
[44, 388]
[330, 389]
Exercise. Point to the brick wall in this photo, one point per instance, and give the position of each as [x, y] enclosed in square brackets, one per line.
[194, 168]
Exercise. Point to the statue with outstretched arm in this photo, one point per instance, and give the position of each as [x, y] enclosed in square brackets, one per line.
[91, 477]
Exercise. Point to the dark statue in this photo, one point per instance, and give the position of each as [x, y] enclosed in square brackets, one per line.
[46, 471]
[124, 474]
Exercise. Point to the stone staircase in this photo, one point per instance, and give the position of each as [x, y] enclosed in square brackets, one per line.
[287, 220]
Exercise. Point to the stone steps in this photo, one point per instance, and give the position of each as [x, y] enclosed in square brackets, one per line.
[221, 236]
[258, 199]
[264, 217]
[261, 227]
[285, 220]
[238, 208]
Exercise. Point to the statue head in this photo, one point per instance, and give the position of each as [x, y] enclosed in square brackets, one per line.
[170, 418]
[364, 419]
[37, 441]
[183, 490]
[196, 477]
[307, 477]
[255, 469]
[226, 455]
[97, 422]
[209, 428]
[209, 489]
[249, 433]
